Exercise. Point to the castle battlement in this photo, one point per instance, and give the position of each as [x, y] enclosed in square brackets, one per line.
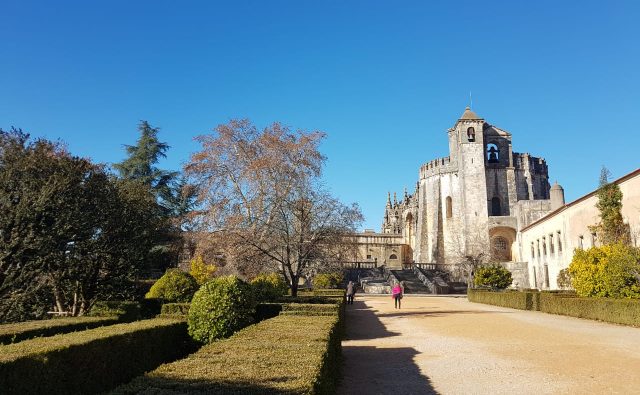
[436, 166]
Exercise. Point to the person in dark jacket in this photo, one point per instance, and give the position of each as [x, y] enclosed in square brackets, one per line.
[351, 291]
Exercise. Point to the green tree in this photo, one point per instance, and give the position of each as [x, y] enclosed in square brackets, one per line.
[611, 228]
[70, 233]
[171, 194]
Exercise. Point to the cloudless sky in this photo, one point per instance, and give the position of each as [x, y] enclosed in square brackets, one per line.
[384, 80]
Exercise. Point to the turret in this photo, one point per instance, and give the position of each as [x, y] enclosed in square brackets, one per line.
[557, 196]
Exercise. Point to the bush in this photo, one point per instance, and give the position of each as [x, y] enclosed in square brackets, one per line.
[260, 359]
[494, 276]
[91, 361]
[201, 271]
[175, 286]
[219, 308]
[607, 271]
[564, 279]
[328, 280]
[269, 287]
[126, 311]
[13, 333]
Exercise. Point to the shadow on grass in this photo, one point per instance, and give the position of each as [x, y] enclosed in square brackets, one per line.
[373, 370]
[163, 385]
[363, 323]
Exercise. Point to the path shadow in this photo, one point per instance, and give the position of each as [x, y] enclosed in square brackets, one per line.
[372, 370]
[363, 323]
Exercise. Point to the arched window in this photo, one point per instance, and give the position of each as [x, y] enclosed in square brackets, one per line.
[493, 155]
[471, 134]
[449, 207]
[496, 210]
[393, 256]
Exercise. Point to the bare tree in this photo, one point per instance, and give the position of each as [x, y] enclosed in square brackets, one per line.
[471, 250]
[263, 203]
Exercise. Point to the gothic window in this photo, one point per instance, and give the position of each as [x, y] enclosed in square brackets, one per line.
[393, 256]
[594, 239]
[538, 248]
[449, 207]
[544, 247]
[551, 247]
[533, 251]
[496, 210]
[492, 153]
[471, 134]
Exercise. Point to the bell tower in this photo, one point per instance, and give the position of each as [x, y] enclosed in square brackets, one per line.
[469, 130]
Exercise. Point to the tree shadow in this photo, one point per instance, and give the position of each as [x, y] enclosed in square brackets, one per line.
[363, 323]
[372, 370]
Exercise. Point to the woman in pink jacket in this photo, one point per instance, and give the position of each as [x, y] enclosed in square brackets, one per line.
[396, 294]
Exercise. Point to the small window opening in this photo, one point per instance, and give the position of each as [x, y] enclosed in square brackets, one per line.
[559, 242]
[471, 134]
[393, 256]
[449, 207]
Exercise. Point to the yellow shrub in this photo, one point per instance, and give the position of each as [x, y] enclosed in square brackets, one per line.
[201, 271]
[609, 271]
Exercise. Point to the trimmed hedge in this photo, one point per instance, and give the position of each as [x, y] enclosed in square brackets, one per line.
[514, 300]
[91, 361]
[617, 311]
[286, 354]
[265, 311]
[126, 311]
[12, 333]
[175, 309]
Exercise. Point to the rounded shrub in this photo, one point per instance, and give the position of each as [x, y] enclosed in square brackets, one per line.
[494, 276]
[219, 308]
[328, 280]
[269, 287]
[175, 286]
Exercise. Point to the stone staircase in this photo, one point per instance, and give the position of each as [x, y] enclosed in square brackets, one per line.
[412, 284]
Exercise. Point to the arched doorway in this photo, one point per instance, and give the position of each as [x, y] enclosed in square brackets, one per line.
[501, 241]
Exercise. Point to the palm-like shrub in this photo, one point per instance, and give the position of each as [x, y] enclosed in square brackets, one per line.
[269, 287]
[495, 277]
[175, 286]
[219, 308]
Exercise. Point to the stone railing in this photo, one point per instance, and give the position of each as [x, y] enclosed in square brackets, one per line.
[425, 280]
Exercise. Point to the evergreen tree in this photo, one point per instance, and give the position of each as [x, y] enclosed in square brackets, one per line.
[611, 228]
[140, 165]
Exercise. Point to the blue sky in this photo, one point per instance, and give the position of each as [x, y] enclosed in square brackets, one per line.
[384, 80]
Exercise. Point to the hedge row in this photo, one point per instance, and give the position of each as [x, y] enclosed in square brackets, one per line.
[91, 361]
[617, 311]
[127, 311]
[12, 333]
[175, 309]
[286, 354]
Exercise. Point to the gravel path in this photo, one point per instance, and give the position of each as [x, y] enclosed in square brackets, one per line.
[447, 345]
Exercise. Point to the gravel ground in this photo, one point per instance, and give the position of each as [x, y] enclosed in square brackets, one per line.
[447, 345]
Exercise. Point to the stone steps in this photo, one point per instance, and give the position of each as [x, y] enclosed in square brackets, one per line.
[412, 284]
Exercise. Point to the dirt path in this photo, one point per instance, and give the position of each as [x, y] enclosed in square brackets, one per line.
[447, 345]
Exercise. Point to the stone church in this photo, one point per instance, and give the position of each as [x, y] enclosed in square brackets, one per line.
[476, 198]
[484, 198]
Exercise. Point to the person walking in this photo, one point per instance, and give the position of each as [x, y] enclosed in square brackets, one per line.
[396, 294]
[351, 291]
